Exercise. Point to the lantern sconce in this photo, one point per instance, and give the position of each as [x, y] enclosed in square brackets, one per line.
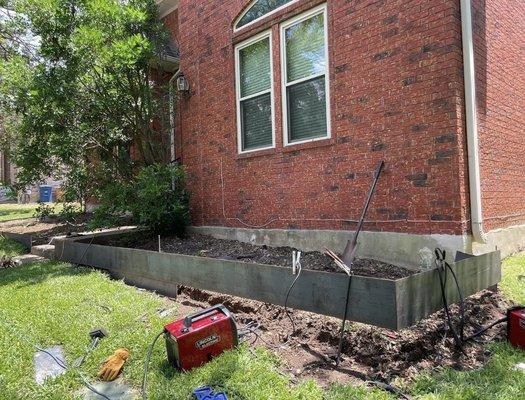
[182, 84]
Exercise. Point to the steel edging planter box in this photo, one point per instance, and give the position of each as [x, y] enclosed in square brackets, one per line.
[393, 304]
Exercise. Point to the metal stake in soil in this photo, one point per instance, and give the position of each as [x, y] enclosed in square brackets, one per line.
[349, 255]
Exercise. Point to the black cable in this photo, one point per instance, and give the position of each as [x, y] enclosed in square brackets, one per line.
[146, 365]
[59, 362]
[461, 304]
[11, 328]
[90, 387]
[442, 268]
[389, 388]
[288, 295]
[486, 328]
[82, 377]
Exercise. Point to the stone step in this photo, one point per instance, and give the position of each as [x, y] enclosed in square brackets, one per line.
[44, 250]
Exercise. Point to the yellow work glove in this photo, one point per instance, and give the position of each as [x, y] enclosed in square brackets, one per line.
[113, 365]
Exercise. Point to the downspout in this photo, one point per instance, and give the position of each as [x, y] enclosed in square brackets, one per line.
[469, 73]
[172, 114]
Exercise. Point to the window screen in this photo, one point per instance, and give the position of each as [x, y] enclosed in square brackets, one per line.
[305, 79]
[255, 100]
[259, 9]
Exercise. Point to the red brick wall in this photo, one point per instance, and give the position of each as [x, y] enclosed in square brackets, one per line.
[499, 28]
[396, 95]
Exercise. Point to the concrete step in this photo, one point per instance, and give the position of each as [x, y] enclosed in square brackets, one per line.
[27, 259]
[44, 250]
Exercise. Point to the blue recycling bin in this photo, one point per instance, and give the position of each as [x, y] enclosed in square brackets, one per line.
[46, 194]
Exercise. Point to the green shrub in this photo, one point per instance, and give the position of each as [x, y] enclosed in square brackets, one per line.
[160, 199]
[156, 199]
[115, 200]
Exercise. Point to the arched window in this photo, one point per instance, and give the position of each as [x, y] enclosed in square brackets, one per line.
[260, 8]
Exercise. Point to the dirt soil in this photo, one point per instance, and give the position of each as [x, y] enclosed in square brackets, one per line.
[42, 232]
[369, 353]
[207, 246]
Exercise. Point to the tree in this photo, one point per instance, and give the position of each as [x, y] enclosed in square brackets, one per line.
[88, 100]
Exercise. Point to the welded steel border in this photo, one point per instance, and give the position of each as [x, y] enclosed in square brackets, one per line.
[393, 304]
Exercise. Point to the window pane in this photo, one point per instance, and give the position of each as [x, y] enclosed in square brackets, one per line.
[255, 71]
[307, 110]
[256, 122]
[305, 48]
[259, 9]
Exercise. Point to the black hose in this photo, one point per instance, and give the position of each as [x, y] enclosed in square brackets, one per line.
[146, 365]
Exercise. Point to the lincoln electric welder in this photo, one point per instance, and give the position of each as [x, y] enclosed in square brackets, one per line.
[194, 340]
[516, 327]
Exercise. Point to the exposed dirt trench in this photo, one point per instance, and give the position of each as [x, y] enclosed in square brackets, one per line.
[368, 352]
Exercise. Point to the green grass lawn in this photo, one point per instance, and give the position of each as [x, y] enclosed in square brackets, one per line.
[54, 303]
[10, 248]
[9, 212]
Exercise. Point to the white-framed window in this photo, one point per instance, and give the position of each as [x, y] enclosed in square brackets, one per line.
[305, 80]
[258, 9]
[254, 92]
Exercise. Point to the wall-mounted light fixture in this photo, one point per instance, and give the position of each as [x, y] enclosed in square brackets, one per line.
[182, 84]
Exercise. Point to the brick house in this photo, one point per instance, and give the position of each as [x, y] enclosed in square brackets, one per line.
[292, 103]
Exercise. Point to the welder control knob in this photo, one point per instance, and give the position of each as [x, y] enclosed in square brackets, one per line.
[187, 322]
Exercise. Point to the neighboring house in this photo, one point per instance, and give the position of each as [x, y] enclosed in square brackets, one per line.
[292, 104]
[30, 195]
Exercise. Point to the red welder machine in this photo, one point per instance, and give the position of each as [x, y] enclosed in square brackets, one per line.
[516, 327]
[196, 339]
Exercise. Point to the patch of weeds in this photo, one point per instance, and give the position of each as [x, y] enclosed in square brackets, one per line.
[44, 211]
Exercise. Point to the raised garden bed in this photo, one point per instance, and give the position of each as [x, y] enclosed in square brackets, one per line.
[233, 250]
[389, 303]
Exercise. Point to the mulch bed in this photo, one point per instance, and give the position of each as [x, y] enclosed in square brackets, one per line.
[207, 246]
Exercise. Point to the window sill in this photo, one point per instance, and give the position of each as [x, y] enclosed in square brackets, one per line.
[308, 145]
[287, 149]
[256, 153]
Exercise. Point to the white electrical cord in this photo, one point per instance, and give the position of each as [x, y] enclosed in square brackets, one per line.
[296, 267]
